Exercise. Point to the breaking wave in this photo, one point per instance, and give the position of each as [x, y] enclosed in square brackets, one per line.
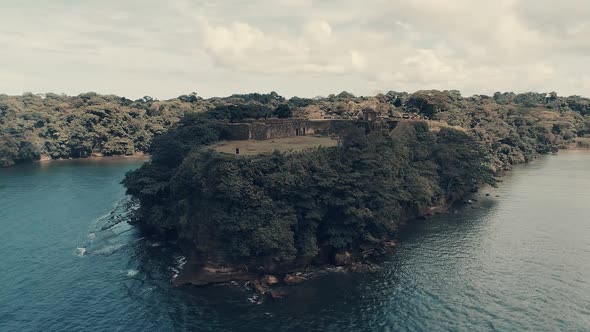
[132, 272]
[110, 232]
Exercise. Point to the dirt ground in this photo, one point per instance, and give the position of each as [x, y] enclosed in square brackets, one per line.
[297, 143]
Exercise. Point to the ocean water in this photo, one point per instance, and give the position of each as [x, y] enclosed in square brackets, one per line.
[520, 261]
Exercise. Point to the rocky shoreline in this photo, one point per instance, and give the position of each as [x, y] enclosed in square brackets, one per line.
[276, 284]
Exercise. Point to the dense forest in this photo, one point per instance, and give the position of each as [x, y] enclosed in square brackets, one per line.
[51, 126]
[287, 208]
[294, 207]
[284, 206]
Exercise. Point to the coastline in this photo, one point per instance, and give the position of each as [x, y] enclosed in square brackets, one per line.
[364, 260]
[580, 143]
[95, 157]
[574, 147]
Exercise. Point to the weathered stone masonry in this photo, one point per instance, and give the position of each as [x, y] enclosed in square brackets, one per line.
[281, 128]
[276, 128]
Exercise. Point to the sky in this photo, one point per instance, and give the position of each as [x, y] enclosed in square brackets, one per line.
[303, 48]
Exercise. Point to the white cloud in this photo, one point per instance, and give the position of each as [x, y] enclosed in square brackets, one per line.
[304, 47]
[358, 60]
[242, 47]
[318, 31]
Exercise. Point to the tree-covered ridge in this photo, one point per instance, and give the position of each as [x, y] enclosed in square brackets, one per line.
[296, 207]
[72, 127]
[514, 128]
[282, 207]
[59, 126]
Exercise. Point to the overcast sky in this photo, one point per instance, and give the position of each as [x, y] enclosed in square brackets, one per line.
[295, 47]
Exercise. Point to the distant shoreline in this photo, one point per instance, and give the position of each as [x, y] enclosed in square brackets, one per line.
[97, 158]
[574, 147]
[144, 156]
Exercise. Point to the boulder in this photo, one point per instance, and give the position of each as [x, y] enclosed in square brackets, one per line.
[389, 243]
[270, 280]
[292, 279]
[260, 289]
[343, 258]
[217, 269]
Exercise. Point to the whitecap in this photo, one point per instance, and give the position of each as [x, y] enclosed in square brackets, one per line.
[81, 251]
[154, 244]
[180, 262]
[132, 273]
[175, 272]
[255, 299]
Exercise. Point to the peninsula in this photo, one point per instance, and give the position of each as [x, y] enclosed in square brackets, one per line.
[278, 209]
[260, 185]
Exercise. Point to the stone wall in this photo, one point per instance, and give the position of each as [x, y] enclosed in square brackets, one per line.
[276, 128]
[238, 131]
[320, 126]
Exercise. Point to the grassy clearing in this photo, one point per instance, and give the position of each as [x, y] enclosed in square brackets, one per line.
[436, 126]
[297, 143]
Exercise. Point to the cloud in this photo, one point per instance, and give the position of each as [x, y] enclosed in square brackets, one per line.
[304, 47]
[318, 31]
[358, 60]
[242, 47]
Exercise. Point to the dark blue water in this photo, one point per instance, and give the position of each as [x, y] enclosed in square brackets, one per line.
[520, 261]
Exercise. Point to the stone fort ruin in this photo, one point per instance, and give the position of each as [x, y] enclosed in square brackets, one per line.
[276, 128]
[264, 129]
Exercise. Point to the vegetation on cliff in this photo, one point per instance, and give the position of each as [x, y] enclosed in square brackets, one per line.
[297, 207]
[281, 207]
